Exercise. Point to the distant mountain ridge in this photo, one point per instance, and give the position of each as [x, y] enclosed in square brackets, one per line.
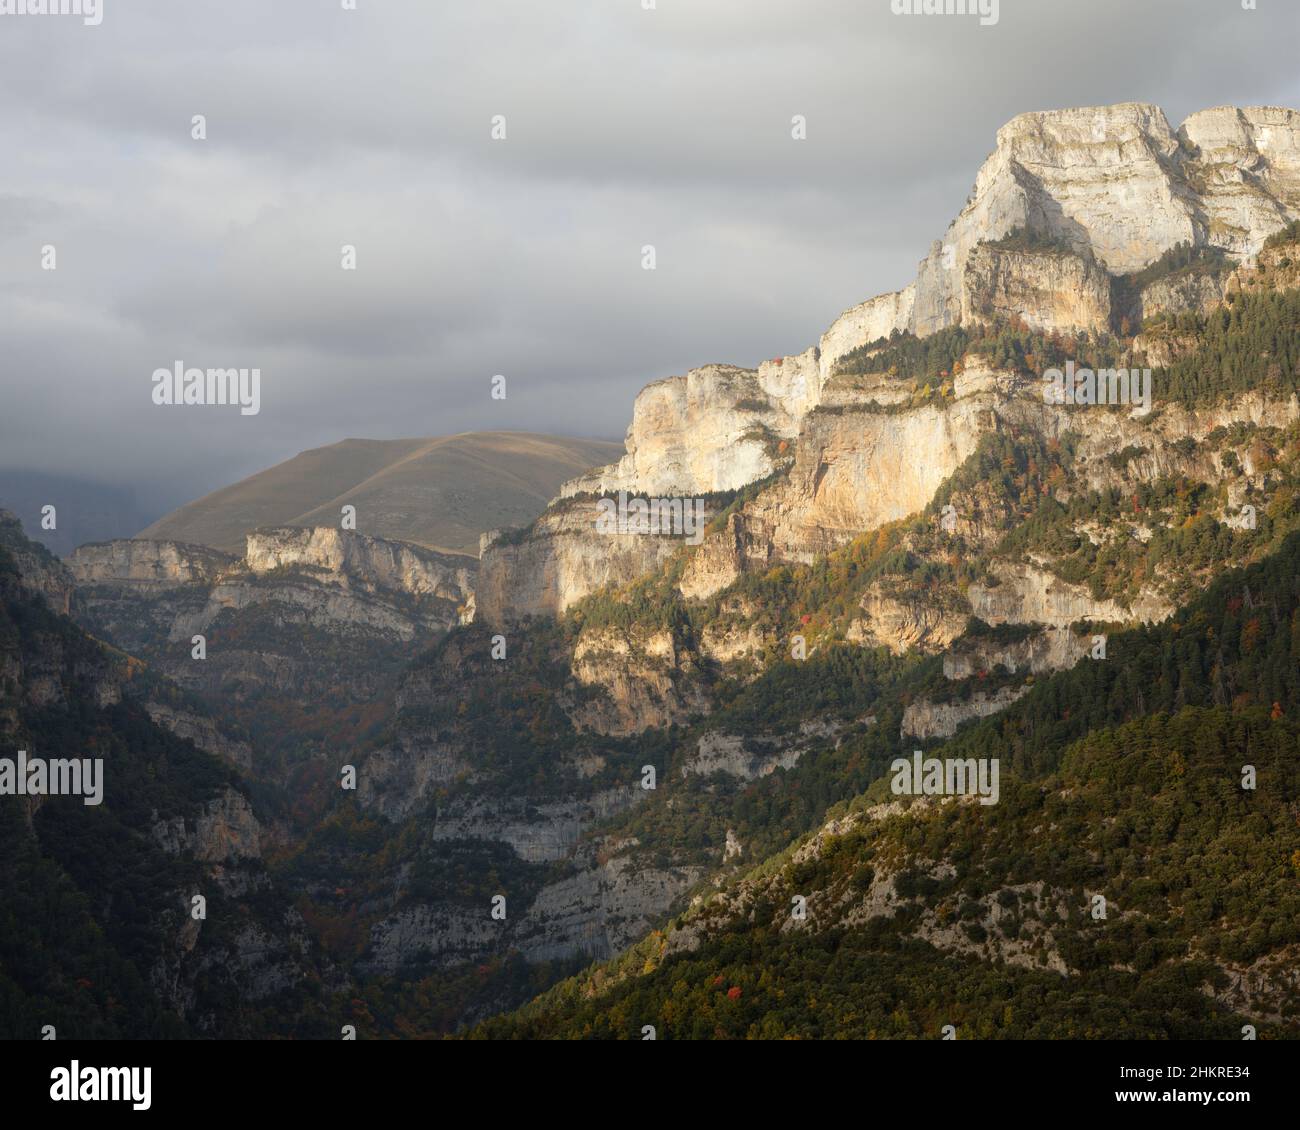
[439, 492]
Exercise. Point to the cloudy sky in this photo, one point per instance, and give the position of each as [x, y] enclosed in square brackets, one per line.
[519, 257]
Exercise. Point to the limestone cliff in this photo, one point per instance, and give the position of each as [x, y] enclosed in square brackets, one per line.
[321, 617]
[147, 566]
[39, 571]
[1089, 197]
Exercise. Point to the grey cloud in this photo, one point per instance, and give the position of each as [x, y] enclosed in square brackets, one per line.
[626, 127]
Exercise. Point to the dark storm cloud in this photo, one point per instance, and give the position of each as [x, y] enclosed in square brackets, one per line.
[626, 127]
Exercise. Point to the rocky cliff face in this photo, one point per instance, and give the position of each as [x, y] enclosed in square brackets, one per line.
[562, 558]
[1120, 185]
[925, 719]
[1094, 193]
[648, 679]
[354, 560]
[1049, 290]
[147, 566]
[171, 824]
[39, 571]
[711, 430]
[322, 618]
[1053, 649]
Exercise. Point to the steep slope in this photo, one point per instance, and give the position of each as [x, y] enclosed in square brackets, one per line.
[302, 636]
[1128, 883]
[439, 493]
[895, 418]
[98, 931]
[909, 543]
[764, 686]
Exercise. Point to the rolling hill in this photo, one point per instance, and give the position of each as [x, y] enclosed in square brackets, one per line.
[440, 492]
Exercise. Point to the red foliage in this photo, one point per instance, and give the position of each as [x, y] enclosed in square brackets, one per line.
[733, 994]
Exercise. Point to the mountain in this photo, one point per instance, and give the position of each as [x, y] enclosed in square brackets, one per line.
[902, 540]
[642, 749]
[303, 634]
[440, 493]
[1125, 885]
[1081, 224]
[101, 936]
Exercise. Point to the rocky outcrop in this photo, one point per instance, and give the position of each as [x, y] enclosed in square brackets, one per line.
[867, 322]
[354, 560]
[925, 719]
[537, 833]
[709, 431]
[1048, 290]
[1052, 649]
[746, 759]
[1245, 171]
[224, 831]
[39, 571]
[856, 470]
[1199, 291]
[203, 731]
[1025, 594]
[1118, 184]
[147, 566]
[562, 558]
[906, 620]
[594, 914]
[646, 679]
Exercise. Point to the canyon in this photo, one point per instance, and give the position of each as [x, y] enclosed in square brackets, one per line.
[501, 712]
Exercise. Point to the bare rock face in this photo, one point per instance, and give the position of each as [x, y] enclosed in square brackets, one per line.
[562, 558]
[646, 678]
[1198, 292]
[323, 576]
[868, 321]
[1052, 649]
[906, 622]
[358, 560]
[1027, 595]
[1118, 185]
[1049, 290]
[203, 732]
[856, 470]
[39, 571]
[1246, 172]
[537, 833]
[925, 719]
[745, 759]
[594, 914]
[151, 566]
[225, 831]
[707, 431]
